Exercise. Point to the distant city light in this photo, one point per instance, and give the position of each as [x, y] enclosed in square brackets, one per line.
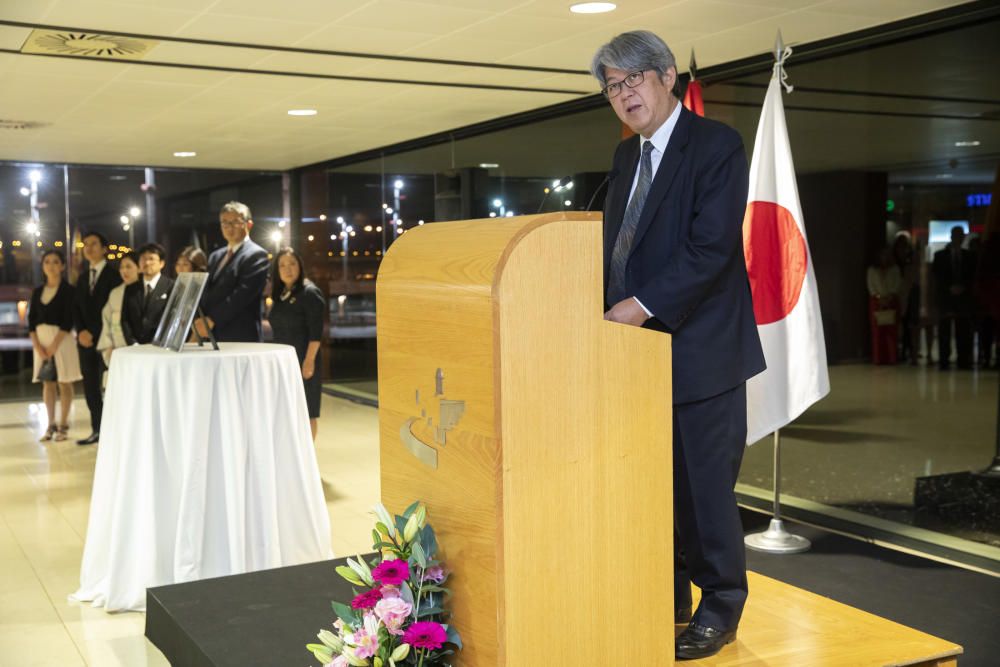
[398, 184]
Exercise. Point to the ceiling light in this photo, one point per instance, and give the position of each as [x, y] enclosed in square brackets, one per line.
[488, 165]
[184, 154]
[974, 142]
[593, 7]
[302, 112]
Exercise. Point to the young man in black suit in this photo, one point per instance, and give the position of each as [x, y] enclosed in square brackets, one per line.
[146, 299]
[233, 300]
[673, 262]
[92, 290]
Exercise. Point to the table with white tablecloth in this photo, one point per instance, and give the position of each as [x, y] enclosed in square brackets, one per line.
[205, 468]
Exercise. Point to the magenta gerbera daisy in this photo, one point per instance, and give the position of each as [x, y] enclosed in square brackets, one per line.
[425, 634]
[392, 572]
[366, 600]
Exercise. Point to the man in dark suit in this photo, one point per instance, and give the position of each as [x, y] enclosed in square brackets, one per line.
[146, 299]
[673, 262]
[954, 271]
[95, 283]
[233, 300]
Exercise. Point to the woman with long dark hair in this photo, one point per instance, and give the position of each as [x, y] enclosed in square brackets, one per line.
[50, 326]
[297, 310]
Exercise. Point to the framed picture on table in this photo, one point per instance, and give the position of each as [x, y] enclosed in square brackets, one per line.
[179, 314]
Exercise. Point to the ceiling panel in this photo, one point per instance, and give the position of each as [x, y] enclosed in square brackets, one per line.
[122, 113]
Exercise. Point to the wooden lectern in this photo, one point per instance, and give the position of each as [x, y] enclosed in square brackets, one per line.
[538, 435]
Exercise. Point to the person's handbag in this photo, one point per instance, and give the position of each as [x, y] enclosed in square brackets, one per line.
[884, 318]
[47, 371]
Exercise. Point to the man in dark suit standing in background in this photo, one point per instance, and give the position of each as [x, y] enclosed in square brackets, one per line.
[146, 299]
[673, 262]
[233, 300]
[93, 287]
[954, 271]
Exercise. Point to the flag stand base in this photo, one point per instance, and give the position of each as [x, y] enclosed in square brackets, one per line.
[777, 540]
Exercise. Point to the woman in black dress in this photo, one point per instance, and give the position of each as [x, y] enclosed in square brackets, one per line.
[297, 310]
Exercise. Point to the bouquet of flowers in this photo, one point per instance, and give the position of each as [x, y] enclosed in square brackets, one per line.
[397, 616]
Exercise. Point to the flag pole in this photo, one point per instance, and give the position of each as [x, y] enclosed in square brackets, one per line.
[777, 540]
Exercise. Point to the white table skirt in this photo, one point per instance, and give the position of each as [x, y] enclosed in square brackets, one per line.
[205, 468]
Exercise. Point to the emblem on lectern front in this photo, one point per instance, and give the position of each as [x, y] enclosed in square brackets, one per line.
[449, 413]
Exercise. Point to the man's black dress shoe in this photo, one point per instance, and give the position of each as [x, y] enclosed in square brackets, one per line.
[682, 615]
[699, 641]
[90, 439]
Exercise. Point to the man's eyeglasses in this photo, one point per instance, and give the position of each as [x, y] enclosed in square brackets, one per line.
[233, 223]
[631, 80]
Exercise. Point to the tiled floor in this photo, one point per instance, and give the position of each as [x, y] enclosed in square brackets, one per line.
[44, 501]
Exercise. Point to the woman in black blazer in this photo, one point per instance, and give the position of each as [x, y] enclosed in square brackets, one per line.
[297, 312]
[50, 326]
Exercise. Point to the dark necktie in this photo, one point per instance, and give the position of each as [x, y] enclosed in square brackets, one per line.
[149, 290]
[225, 260]
[623, 244]
[93, 280]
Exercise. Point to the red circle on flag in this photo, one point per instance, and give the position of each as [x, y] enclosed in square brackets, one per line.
[777, 259]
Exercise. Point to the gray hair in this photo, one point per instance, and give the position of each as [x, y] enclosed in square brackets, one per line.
[634, 51]
[239, 208]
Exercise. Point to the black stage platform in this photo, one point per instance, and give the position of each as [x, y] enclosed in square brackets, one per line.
[266, 618]
[260, 618]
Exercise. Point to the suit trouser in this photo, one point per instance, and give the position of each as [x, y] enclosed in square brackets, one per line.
[963, 339]
[92, 368]
[709, 441]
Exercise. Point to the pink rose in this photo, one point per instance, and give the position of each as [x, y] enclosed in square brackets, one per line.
[390, 591]
[393, 612]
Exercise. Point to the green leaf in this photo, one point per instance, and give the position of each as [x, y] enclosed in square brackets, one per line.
[428, 541]
[453, 637]
[345, 613]
[429, 611]
[400, 524]
[409, 510]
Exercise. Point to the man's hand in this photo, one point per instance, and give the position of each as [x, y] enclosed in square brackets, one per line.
[85, 338]
[308, 368]
[202, 326]
[627, 312]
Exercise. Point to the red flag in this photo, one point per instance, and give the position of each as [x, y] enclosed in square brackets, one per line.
[692, 98]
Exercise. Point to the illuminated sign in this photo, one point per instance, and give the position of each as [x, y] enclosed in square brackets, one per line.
[978, 200]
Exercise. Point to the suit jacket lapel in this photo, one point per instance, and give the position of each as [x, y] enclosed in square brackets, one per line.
[669, 164]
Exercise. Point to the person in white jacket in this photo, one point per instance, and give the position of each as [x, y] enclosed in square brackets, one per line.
[112, 336]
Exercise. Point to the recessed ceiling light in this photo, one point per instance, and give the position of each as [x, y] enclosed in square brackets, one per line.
[488, 165]
[302, 112]
[593, 7]
[974, 142]
[184, 154]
